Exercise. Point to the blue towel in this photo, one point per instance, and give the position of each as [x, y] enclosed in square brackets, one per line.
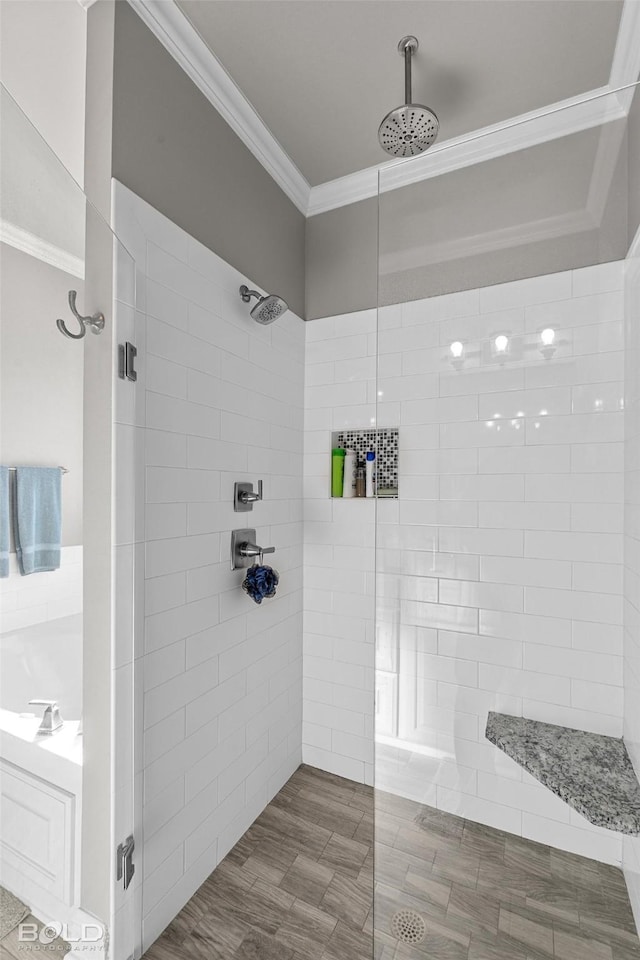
[4, 521]
[38, 518]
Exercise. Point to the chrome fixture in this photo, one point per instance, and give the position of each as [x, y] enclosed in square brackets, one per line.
[125, 867]
[96, 322]
[244, 496]
[51, 719]
[411, 128]
[268, 308]
[64, 470]
[244, 549]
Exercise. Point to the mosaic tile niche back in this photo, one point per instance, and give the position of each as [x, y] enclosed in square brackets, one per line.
[384, 442]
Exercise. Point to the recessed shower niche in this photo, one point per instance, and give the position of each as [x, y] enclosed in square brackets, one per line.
[385, 444]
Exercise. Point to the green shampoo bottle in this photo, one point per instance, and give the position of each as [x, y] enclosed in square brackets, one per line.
[337, 471]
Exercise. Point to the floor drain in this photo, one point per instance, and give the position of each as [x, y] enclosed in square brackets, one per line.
[408, 926]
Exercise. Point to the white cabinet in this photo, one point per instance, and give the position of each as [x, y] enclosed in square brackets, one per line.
[38, 834]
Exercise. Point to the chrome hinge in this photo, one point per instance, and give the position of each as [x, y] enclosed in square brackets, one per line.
[125, 867]
[127, 354]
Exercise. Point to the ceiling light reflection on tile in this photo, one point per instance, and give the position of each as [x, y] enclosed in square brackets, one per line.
[500, 348]
[457, 354]
[547, 339]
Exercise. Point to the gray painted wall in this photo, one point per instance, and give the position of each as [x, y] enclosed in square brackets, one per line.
[174, 150]
[342, 260]
[342, 263]
[42, 64]
[41, 377]
[477, 226]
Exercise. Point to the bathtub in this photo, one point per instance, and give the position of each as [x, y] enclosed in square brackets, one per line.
[41, 776]
[45, 662]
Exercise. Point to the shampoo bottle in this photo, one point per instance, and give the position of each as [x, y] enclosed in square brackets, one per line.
[371, 461]
[337, 471]
[348, 487]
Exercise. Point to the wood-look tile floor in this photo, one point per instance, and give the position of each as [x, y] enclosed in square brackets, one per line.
[299, 886]
[12, 948]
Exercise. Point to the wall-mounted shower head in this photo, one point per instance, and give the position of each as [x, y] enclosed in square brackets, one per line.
[411, 128]
[268, 308]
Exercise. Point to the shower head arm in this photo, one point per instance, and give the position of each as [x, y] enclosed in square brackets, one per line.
[406, 48]
[407, 75]
[246, 294]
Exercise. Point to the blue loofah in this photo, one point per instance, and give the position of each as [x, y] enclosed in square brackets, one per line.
[261, 581]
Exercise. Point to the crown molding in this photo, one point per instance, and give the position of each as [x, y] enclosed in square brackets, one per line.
[36, 247]
[86, 3]
[505, 238]
[593, 108]
[529, 129]
[175, 32]
[343, 191]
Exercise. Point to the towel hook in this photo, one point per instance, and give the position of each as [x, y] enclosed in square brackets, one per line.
[96, 322]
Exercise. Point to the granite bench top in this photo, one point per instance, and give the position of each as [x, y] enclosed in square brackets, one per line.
[591, 772]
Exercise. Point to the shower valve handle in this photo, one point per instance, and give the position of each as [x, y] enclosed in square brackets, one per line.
[244, 496]
[253, 550]
[251, 496]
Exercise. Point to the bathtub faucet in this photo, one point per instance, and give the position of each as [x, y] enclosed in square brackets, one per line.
[51, 719]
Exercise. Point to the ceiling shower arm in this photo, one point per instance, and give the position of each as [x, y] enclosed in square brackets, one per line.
[410, 128]
[406, 48]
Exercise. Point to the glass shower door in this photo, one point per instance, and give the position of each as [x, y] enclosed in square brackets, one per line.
[499, 357]
[67, 620]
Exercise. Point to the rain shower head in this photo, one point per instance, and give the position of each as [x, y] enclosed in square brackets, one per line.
[411, 128]
[268, 308]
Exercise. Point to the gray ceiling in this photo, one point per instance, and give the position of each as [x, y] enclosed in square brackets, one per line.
[323, 73]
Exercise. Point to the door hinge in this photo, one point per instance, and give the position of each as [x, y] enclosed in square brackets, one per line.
[127, 354]
[125, 867]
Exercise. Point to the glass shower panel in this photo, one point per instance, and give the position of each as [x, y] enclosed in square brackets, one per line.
[500, 364]
[67, 619]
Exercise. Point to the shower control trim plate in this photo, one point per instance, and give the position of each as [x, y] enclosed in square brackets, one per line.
[244, 496]
[238, 539]
[245, 550]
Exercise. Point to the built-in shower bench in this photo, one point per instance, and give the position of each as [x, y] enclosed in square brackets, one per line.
[591, 772]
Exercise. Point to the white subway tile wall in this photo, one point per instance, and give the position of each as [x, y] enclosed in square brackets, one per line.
[25, 601]
[499, 570]
[219, 399]
[339, 556]
[631, 597]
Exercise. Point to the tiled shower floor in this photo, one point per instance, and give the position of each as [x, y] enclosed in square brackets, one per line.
[299, 886]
